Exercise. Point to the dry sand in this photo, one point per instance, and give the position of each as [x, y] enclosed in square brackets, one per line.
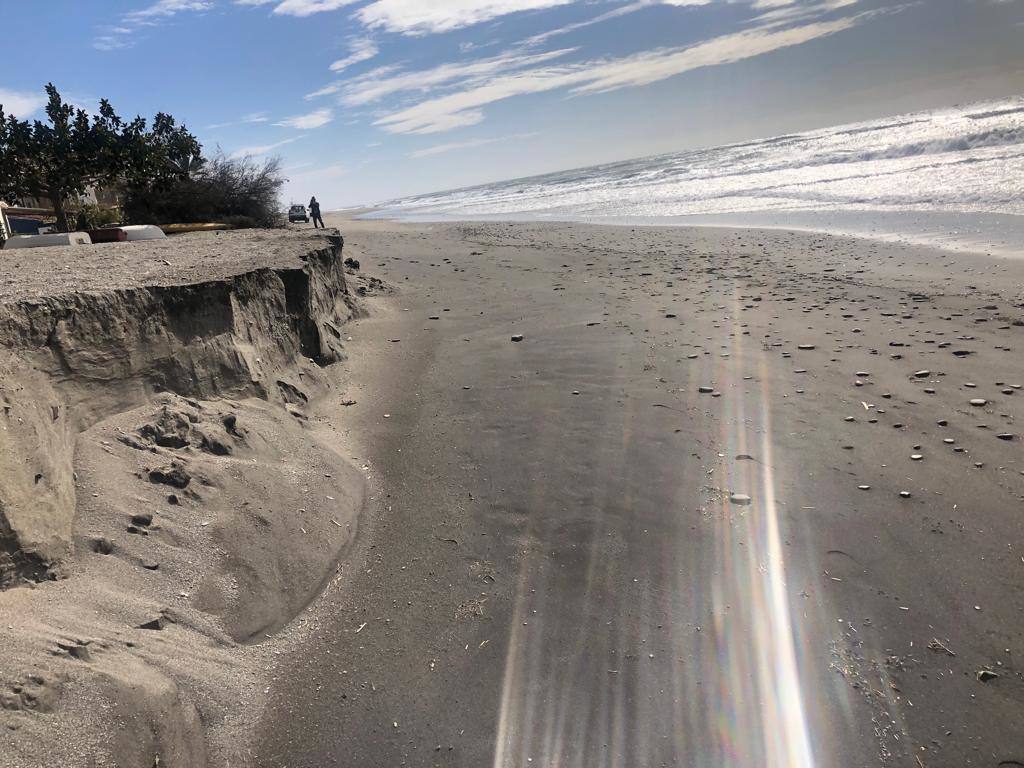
[726, 503]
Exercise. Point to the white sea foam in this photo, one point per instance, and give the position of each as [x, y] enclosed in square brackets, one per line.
[890, 174]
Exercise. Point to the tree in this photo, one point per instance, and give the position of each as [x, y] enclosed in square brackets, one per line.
[61, 159]
[239, 191]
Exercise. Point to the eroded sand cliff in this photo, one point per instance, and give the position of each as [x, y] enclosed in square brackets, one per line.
[163, 504]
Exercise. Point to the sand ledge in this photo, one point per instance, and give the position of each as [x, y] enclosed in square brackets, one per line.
[157, 463]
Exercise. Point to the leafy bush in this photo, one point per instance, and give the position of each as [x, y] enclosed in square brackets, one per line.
[96, 216]
[239, 191]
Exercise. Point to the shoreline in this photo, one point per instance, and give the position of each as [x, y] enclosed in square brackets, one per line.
[1009, 243]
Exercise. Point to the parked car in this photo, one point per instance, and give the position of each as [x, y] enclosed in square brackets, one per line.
[297, 213]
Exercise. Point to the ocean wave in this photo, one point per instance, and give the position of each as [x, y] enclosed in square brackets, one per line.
[945, 159]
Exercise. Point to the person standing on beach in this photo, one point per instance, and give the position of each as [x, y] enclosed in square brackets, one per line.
[314, 213]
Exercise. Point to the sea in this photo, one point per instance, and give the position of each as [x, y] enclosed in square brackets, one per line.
[951, 177]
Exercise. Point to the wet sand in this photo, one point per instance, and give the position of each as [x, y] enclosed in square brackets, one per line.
[727, 502]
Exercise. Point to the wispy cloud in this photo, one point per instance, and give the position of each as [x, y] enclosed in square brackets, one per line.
[252, 117]
[152, 15]
[465, 107]
[21, 104]
[314, 119]
[388, 81]
[441, 149]
[614, 13]
[301, 7]
[261, 149]
[413, 17]
[359, 49]
[324, 172]
[419, 17]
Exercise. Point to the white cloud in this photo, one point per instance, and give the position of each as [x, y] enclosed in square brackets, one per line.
[325, 172]
[441, 149]
[419, 17]
[21, 104]
[152, 15]
[314, 119]
[359, 49]
[261, 149]
[166, 9]
[327, 90]
[615, 13]
[252, 117]
[387, 81]
[309, 7]
[464, 107]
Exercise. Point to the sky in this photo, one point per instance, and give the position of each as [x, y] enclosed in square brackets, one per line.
[370, 100]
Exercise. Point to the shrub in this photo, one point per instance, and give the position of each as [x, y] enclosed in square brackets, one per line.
[240, 191]
[96, 216]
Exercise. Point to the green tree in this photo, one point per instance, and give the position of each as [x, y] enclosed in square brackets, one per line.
[62, 158]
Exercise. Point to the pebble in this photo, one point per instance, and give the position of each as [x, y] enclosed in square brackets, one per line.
[805, 346]
[904, 494]
[705, 390]
[517, 337]
[740, 499]
[922, 374]
[916, 457]
[977, 402]
[864, 487]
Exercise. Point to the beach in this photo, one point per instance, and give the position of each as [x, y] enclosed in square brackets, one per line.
[736, 497]
[511, 493]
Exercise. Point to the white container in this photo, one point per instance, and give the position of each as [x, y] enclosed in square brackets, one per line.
[143, 232]
[46, 241]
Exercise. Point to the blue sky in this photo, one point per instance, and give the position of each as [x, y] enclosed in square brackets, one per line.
[367, 100]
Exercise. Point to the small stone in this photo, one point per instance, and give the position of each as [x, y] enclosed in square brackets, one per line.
[922, 374]
[143, 519]
[805, 346]
[517, 337]
[864, 487]
[978, 402]
[916, 457]
[984, 675]
[705, 390]
[740, 499]
[1005, 436]
[904, 494]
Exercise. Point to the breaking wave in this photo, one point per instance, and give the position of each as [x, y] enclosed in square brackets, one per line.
[966, 159]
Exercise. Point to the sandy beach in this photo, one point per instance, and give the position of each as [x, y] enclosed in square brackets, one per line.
[734, 493]
[570, 495]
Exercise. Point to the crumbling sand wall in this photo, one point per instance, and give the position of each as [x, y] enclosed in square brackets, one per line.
[74, 359]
